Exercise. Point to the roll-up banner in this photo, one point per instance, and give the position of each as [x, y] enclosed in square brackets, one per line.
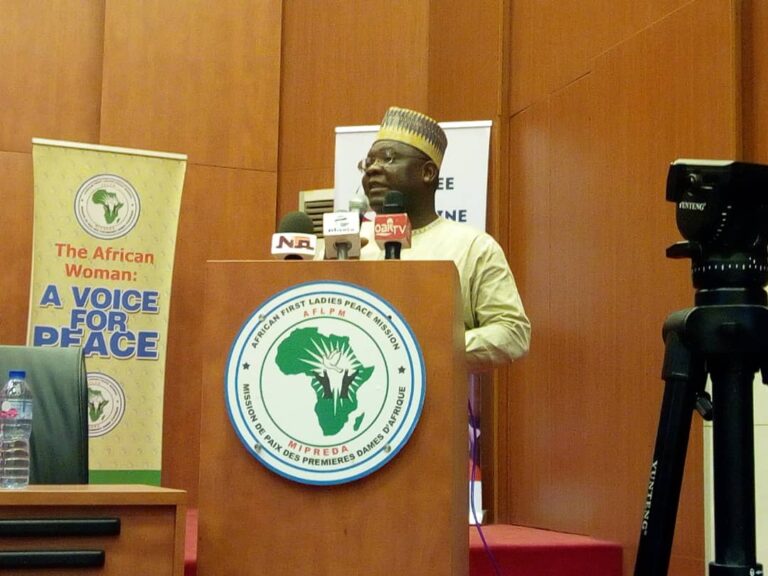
[463, 186]
[105, 222]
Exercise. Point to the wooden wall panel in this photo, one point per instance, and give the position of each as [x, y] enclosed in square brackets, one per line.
[534, 264]
[51, 71]
[196, 77]
[202, 79]
[583, 423]
[16, 240]
[581, 311]
[754, 80]
[466, 58]
[223, 216]
[667, 93]
[343, 64]
[465, 51]
[554, 42]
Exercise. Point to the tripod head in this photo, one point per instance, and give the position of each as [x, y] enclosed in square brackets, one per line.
[722, 212]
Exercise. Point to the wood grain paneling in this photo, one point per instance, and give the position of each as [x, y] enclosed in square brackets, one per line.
[196, 77]
[582, 338]
[523, 401]
[555, 41]
[203, 79]
[754, 80]
[465, 50]
[16, 240]
[410, 516]
[225, 214]
[582, 425]
[51, 71]
[343, 64]
[152, 526]
[667, 93]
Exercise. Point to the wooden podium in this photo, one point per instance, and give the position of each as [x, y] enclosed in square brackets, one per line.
[410, 516]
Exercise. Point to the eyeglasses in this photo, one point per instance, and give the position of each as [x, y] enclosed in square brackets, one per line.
[386, 157]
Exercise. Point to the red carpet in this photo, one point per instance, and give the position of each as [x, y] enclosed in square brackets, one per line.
[518, 551]
[521, 551]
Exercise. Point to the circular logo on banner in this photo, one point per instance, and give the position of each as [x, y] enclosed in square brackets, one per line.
[106, 404]
[325, 383]
[107, 206]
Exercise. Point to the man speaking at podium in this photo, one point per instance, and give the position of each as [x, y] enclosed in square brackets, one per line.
[406, 158]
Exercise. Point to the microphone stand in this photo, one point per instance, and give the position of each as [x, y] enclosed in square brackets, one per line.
[342, 250]
[392, 250]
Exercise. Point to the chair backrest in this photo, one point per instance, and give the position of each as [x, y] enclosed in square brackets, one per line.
[59, 443]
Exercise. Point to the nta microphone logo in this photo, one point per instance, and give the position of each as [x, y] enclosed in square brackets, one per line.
[295, 241]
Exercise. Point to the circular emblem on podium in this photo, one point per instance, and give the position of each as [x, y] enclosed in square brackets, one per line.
[325, 383]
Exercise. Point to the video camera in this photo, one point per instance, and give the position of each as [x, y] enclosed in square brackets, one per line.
[722, 212]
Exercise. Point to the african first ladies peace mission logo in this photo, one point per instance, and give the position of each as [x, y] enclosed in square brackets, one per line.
[107, 206]
[325, 383]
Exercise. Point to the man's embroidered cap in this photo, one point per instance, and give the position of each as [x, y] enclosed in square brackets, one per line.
[416, 129]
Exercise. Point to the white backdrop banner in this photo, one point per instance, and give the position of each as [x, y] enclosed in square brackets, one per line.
[463, 187]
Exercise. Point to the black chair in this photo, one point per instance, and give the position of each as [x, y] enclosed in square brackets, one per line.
[59, 443]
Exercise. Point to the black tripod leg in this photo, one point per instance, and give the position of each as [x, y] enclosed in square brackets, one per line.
[685, 378]
[734, 468]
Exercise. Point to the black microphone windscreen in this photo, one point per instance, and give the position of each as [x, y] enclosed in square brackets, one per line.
[296, 222]
[394, 202]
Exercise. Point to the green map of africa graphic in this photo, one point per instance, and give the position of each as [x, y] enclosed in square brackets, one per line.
[109, 202]
[333, 371]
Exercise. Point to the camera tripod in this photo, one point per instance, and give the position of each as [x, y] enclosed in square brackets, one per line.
[724, 335]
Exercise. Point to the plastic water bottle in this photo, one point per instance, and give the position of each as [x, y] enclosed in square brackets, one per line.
[15, 430]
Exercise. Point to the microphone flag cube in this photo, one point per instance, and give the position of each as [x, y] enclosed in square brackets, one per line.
[392, 228]
[293, 246]
[341, 231]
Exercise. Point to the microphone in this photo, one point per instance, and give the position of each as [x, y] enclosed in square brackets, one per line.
[342, 235]
[392, 229]
[295, 238]
[359, 204]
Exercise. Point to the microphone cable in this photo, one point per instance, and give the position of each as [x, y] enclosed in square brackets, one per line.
[473, 456]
